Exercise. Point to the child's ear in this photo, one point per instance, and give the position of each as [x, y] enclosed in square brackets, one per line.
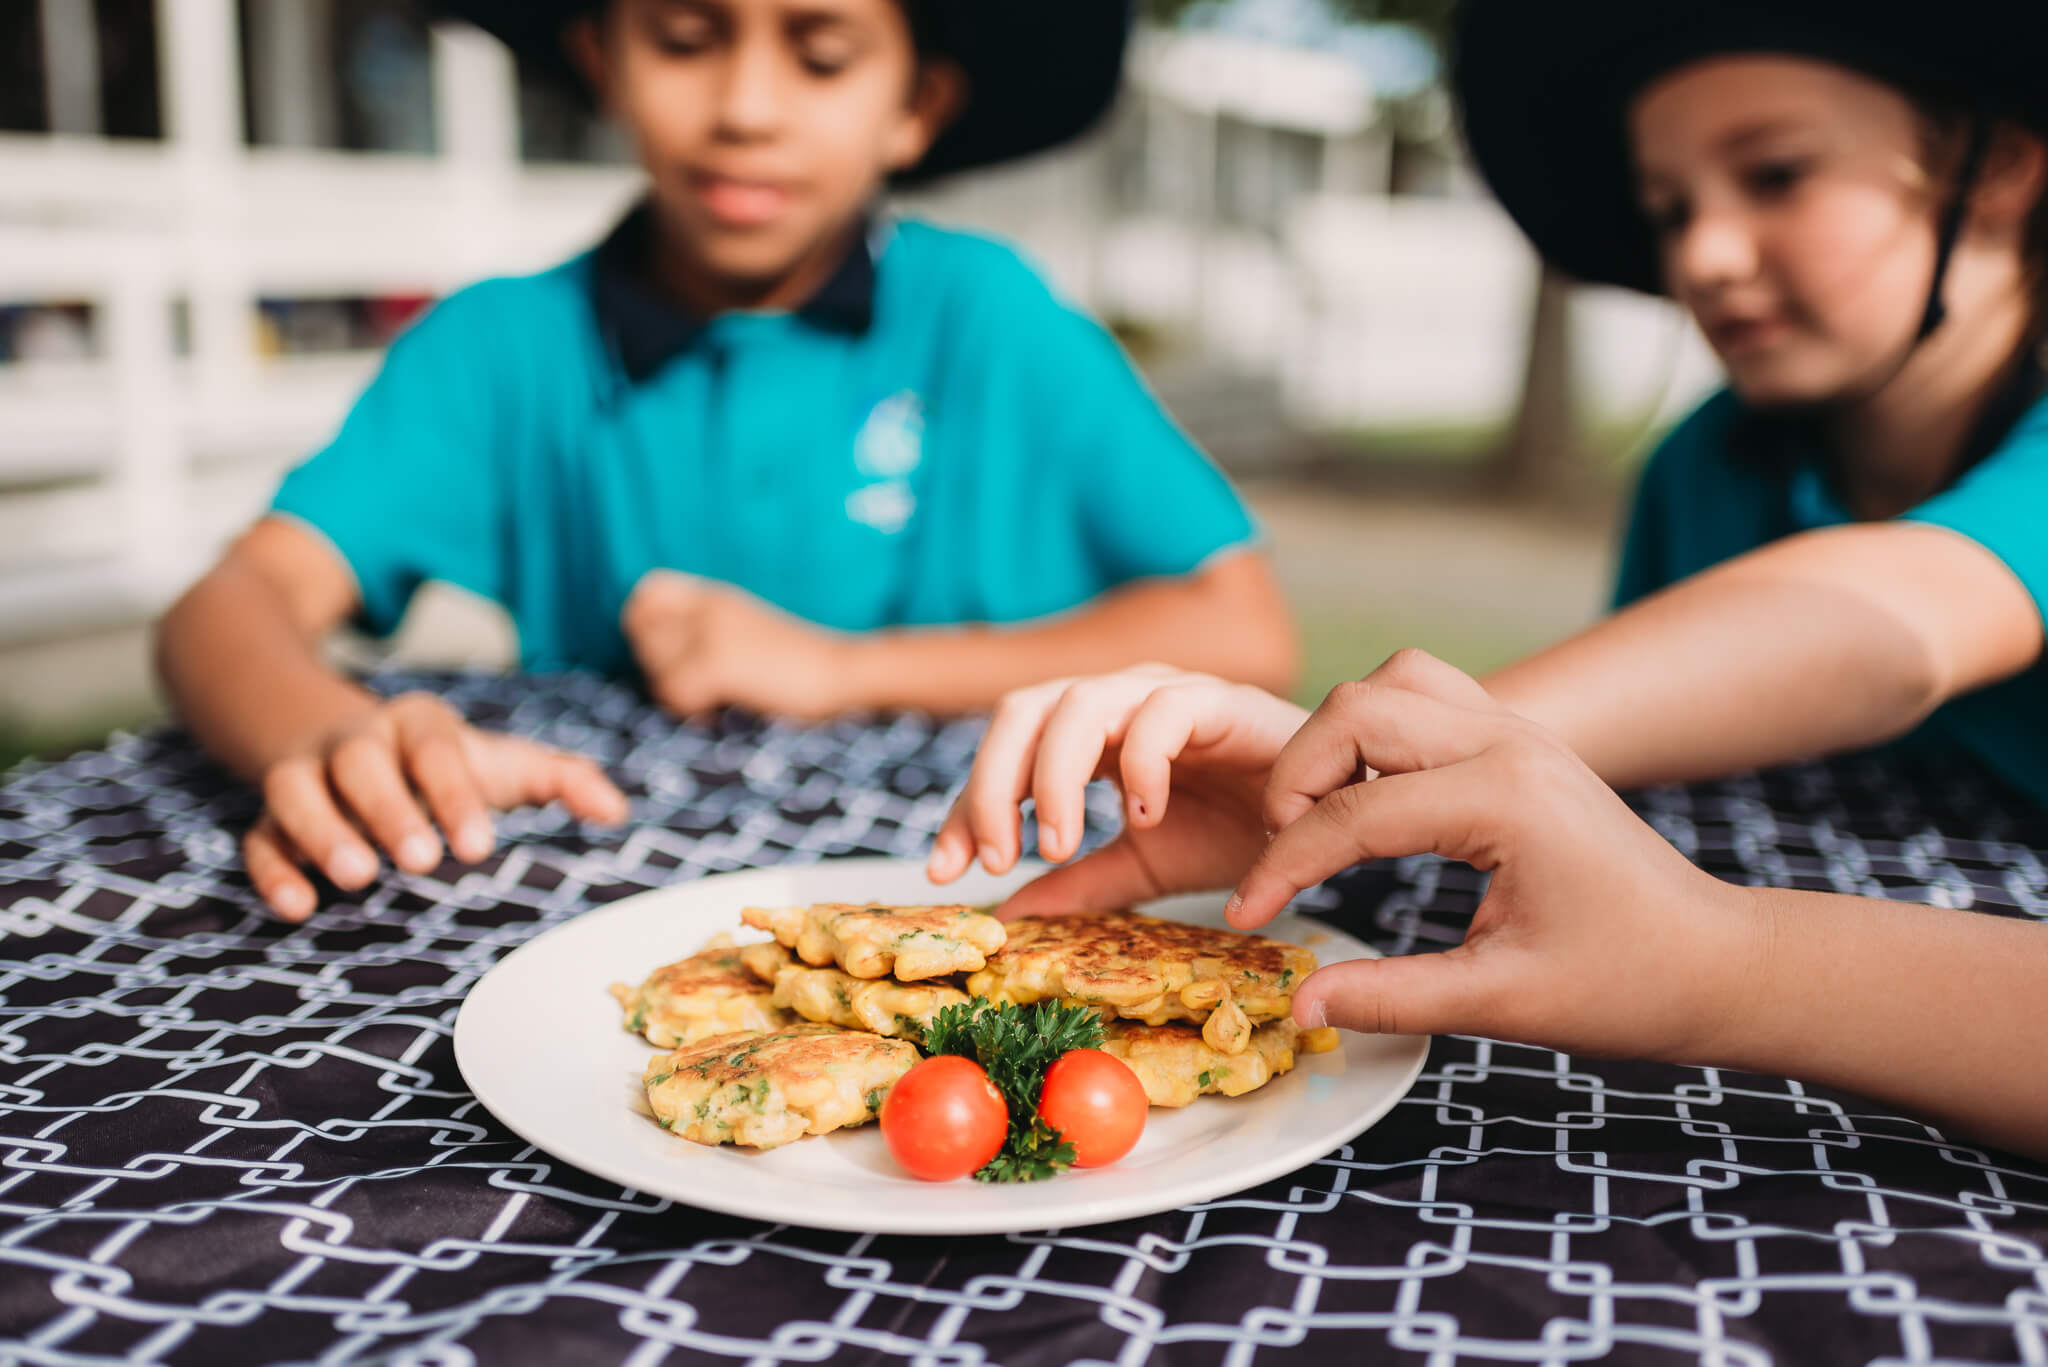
[935, 101]
[584, 41]
[2014, 177]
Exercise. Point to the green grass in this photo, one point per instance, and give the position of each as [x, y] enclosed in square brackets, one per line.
[1340, 644]
[20, 740]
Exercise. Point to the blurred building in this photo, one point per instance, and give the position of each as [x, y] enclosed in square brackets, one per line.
[213, 213]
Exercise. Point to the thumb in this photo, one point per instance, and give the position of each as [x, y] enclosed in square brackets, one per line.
[1416, 994]
[1110, 879]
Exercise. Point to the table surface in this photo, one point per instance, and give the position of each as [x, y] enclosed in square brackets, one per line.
[225, 1140]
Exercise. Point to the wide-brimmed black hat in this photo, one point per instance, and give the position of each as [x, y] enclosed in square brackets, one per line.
[1545, 85]
[1039, 72]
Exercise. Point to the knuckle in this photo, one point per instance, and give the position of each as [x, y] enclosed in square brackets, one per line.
[1351, 697]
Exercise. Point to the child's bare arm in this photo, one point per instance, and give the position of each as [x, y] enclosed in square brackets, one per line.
[239, 655]
[702, 644]
[1596, 937]
[1828, 641]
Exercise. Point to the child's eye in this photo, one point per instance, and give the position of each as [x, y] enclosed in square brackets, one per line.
[826, 54]
[1773, 178]
[1668, 218]
[684, 34]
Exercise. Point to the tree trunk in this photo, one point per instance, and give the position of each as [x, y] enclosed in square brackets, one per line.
[1543, 454]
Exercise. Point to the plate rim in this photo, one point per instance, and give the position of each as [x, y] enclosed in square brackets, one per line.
[740, 1204]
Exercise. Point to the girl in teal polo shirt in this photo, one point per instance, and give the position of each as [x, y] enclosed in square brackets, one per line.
[1846, 548]
[765, 445]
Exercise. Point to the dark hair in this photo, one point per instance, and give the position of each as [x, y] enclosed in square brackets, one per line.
[922, 16]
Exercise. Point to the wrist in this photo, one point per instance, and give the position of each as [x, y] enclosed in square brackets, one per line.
[1742, 963]
[855, 666]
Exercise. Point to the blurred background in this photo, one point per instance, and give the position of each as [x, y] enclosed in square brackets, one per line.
[214, 213]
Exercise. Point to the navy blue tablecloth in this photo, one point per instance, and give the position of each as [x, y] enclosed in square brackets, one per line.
[225, 1140]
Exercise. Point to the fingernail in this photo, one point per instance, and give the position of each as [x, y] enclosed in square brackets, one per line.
[476, 838]
[419, 851]
[1318, 1014]
[354, 865]
[1232, 907]
[293, 904]
[1051, 841]
[990, 857]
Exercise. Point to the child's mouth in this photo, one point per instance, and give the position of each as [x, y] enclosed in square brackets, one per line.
[740, 203]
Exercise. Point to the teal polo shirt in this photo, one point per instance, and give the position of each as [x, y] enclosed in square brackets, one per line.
[1699, 505]
[935, 439]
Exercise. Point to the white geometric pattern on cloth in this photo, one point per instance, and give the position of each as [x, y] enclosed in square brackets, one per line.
[223, 1140]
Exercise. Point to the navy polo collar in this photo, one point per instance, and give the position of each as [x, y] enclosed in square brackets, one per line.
[646, 331]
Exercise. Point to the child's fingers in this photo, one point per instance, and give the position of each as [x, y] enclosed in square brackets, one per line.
[1367, 726]
[440, 769]
[1418, 671]
[1089, 718]
[273, 867]
[1108, 880]
[1002, 773]
[1174, 717]
[1452, 993]
[365, 771]
[296, 796]
[952, 847]
[583, 788]
[1442, 811]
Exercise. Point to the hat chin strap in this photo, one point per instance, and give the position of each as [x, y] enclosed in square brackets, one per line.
[1952, 220]
[1953, 216]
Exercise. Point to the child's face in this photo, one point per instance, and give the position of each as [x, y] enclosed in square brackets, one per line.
[766, 125]
[1794, 216]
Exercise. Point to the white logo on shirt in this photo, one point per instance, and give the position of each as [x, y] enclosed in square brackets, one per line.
[888, 447]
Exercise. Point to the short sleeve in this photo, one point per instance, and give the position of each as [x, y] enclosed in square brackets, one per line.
[406, 491]
[2002, 504]
[1150, 503]
[1695, 506]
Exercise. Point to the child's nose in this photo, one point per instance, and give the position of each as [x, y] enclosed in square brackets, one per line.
[752, 102]
[1717, 248]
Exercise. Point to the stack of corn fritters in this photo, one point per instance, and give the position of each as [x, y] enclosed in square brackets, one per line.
[807, 1033]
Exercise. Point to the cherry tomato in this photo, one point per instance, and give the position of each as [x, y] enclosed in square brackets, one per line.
[943, 1119]
[1096, 1101]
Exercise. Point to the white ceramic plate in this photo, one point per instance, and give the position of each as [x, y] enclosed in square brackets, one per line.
[539, 1042]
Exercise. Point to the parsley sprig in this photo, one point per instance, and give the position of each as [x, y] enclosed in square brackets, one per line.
[1014, 1046]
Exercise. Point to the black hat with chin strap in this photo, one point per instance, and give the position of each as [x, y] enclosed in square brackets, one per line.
[1545, 87]
[1039, 72]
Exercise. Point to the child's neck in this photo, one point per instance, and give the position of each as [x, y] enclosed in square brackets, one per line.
[1902, 444]
[703, 293]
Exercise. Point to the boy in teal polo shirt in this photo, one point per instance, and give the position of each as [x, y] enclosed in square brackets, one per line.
[762, 446]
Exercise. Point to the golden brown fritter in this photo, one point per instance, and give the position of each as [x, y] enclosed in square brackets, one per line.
[880, 1005]
[1147, 969]
[876, 941]
[763, 1089]
[709, 993]
[1175, 1065]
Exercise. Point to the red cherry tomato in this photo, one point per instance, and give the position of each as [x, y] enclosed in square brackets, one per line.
[943, 1119]
[1096, 1101]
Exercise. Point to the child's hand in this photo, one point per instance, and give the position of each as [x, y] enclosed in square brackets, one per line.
[703, 644]
[1595, 936]
[368, 778]
[1189, 751]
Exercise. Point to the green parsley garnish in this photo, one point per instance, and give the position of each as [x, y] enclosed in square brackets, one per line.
[1205, 1079]
[639, 1021]
[875, 1099]
[1015, 1046]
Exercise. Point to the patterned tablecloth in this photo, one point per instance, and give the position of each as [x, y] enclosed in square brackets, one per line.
[224, 1140]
